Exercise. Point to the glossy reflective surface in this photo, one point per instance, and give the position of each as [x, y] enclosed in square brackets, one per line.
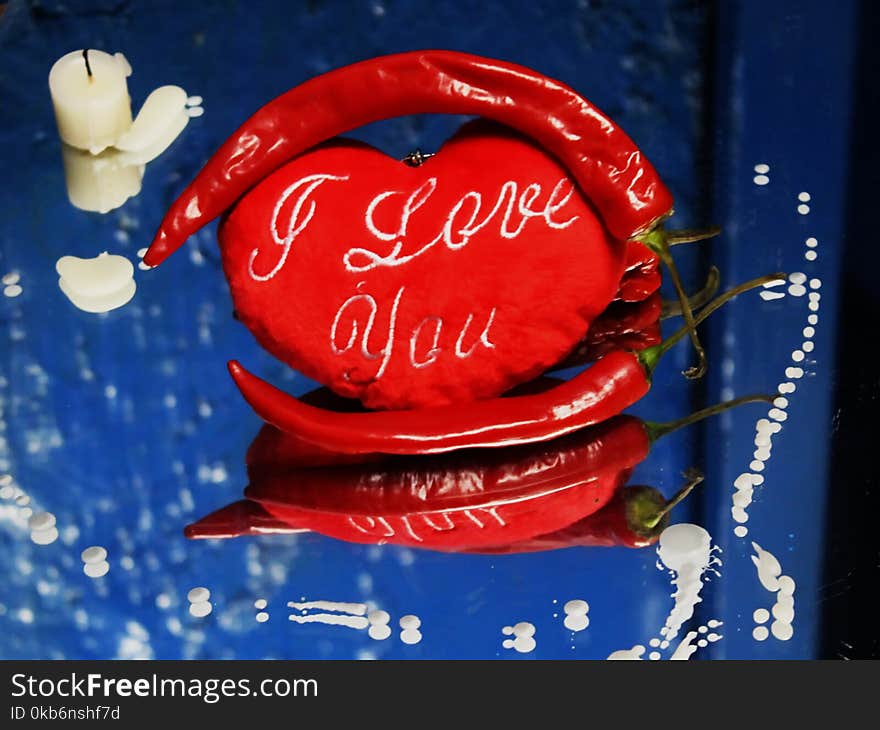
[126, 426]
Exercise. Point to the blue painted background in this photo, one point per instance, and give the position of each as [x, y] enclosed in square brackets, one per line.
[705, 94]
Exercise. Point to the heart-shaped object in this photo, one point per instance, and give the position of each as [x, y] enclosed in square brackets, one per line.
[409, 286]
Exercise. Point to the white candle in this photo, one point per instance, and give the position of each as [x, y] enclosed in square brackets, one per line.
[100, 183]
[90, 95]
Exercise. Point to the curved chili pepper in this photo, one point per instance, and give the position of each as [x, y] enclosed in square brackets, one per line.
[610, 385]
[608, 167]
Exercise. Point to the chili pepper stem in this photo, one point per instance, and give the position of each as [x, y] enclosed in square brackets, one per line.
[658, 430]
[697, 300]
[694, 477]
[658, 241]
[651, 355]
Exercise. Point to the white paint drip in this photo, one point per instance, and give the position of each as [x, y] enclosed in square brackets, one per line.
[355, 609]
[686, 550]
[782, 586]
[332, 619]
[633, 654]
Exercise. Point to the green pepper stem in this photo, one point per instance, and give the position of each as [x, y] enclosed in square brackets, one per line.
[697, 300]
[651, 355]
[694, 477]
[658, 241]
[658, 430]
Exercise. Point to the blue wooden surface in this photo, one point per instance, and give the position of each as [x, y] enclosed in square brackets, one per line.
[128, 471]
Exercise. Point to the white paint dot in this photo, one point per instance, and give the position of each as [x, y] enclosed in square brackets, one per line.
[262, 617]
[414, 636]
[378, 617]
[794, 373]
[507, 643]
[507, 630]
[260, 604]
[654, 656]
[777, 414]
[804, 197]
[797, 355]
[803, 209]
[786, 585]
[811, 255]
[200, 609]
[780, 402]
[413, 622]
[44, 537]
[762, 454]
[798, 277]
[782, 631]
[815, 283]
[762, 168]
[757, 465]
[813, 319]
[22, 500]
[813, 306]
[739, 514]
[96, 570]
[761, 616]
[769, 296]
[380, 632]
[195, 111]
[760, 633]
[7, 492]
[760, 179]
[809, 332]
[199, 594]
[811, 242]
[797, 290]
[576, 606]
[41, 521]
[654, 642]
[523, 628]
[702, 643]
[808, 346]
[576, 622]
[13, 277]
[12, 291]
[93, 554]
[194, 100]
[740, 530]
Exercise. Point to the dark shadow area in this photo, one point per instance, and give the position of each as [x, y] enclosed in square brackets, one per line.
[852, 567]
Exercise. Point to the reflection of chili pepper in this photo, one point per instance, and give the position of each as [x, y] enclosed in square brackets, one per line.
[468, 500]
[610, 385]
[634, 517]
[610, 170]
[465, 499]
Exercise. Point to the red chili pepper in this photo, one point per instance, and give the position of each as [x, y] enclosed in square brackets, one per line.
[608, 167]
[610, 385]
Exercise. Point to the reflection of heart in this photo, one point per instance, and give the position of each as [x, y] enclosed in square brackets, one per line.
[413, 286]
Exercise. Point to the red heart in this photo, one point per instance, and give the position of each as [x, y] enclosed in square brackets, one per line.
[414, 286]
